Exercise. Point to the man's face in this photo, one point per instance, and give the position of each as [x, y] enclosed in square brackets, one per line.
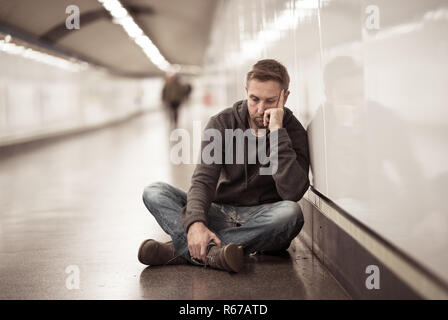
[262, 95]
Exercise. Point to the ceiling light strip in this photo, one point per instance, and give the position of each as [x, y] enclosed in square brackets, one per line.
[15, 49]
[122, 17]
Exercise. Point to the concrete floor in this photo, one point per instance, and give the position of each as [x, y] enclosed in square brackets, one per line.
[76, 201]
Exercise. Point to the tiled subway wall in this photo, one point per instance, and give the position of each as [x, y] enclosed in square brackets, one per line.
[39, 99]
[368, 81]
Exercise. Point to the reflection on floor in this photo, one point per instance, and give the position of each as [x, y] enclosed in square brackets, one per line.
[75, 204]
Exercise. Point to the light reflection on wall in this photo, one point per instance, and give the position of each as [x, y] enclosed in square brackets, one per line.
[377, 132]
[294, 13]
[8, 46]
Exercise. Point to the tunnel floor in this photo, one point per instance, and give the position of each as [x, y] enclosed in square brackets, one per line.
[74, 204]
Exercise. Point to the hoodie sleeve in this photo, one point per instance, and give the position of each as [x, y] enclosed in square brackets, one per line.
[203, 185]
[291, 178]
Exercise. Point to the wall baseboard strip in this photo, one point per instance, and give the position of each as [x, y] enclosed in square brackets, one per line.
[347, 247]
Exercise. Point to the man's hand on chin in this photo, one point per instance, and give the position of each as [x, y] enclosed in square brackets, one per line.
[273, 118]
[198, 237]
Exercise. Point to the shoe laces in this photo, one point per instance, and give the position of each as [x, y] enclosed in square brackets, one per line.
[172, 259]
[175, 256]
[210, 260]
[211, 256]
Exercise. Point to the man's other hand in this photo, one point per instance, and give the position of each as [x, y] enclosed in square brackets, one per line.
[199, 236]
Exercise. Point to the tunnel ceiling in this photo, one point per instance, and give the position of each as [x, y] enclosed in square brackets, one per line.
[179, 28]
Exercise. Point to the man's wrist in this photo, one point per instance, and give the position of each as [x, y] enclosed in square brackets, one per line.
[196, 225]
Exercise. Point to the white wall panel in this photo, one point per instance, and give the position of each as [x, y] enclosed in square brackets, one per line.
[38, 99]
[372, 99]
[22, 111]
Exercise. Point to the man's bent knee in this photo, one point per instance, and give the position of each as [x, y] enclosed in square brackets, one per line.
[153, 191]
[290, 212]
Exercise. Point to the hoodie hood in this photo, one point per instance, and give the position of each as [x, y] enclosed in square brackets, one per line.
[241, 113]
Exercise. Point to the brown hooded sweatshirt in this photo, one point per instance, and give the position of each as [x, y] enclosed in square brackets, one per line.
[241, 184]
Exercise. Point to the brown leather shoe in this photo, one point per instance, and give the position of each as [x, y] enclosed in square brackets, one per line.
[155, 253]
[229, 257]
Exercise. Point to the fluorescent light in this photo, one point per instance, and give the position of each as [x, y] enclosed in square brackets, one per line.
[28, 53]
[122, 17]
[143, 41]
[131, 28]
[119, 13]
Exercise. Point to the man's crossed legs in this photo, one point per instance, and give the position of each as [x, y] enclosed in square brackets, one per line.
[261, 228]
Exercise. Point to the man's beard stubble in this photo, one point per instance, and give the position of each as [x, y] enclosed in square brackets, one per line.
[258, 121]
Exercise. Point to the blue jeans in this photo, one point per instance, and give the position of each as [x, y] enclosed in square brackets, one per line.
[266, 227]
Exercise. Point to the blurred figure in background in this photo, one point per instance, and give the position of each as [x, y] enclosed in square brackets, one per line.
[188, 89]
[173, 95]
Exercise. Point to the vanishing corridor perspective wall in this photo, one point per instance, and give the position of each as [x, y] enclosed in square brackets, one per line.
[38, 99]
[369, 82]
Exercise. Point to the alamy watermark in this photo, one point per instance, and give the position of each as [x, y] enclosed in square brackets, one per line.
[72, 281]
[227, 147]
[73, 20]
[372, 21]
[373, 280]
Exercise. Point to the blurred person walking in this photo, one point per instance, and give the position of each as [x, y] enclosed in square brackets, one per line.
[173, 95]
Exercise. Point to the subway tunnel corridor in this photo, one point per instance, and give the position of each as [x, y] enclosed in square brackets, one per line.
[76, 201]
[91, 92]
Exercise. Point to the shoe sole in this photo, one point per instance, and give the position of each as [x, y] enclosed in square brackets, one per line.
[234, 257]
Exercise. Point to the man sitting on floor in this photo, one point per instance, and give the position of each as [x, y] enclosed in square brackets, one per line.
[236, 207]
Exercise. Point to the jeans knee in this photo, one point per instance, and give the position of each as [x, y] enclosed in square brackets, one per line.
[290, 214]
[153, 191]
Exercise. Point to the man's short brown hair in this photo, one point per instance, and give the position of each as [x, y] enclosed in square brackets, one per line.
[269, 69]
